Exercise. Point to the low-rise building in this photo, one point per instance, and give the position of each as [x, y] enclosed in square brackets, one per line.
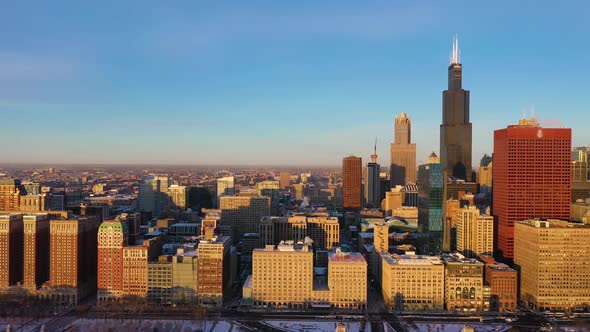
[411, 282]
[463, 283]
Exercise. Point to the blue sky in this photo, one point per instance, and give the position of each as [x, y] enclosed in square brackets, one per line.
[277, 82]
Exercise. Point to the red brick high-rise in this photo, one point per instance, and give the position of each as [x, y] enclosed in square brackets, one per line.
[112, 237]
[352, 174]
[72, 259]
[36, 250]
[532, 177]
[11, 250]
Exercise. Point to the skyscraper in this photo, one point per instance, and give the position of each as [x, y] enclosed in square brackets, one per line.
[532, 177]
[352, 182]
[455, 130]
[430, 204]
[403, 153]
[372, 175]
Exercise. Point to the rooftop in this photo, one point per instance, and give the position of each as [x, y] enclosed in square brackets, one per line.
[553, 223]
[345, 257]
[411, 259]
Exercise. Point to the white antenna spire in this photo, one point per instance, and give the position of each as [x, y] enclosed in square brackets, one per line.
[455, 59]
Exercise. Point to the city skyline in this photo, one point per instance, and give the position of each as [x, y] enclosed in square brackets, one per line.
[211, 85]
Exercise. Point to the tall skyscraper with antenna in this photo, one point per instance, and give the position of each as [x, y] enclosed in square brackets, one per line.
[403, 153]
[455, 130]
[372, 195]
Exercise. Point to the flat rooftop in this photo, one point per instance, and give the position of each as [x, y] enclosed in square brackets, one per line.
[412, 260]
[346, 257]
[553, 223]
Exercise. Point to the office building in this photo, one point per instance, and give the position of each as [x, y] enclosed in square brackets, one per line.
[410, 195]
[372, 185]
[11, 250]
[503, 282]
[185, 275]
[283, 277]
[484, 176]
[10, 192]
[243, 214]
[532, 177]
[347, 280]
[159, 275]
[458, 189]
[323, 230]
[412, 283]
[393, 200]
[153, 194]
[133, 221]
[112, 237]
[225, 187]
[463, 283]
[269, 189]
[430, 204]
[475, 232]
[36, 250]
[455, 130]
[73, 260]
[403, 153]
[298, 189]
[284, 180]
[213, 270]
[178, 196]
[135, 266]
[352, 193]
[552, 257]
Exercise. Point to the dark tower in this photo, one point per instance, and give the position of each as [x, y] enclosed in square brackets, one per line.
[455, 130]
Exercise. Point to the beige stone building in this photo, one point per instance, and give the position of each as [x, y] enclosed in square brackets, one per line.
[553, 258]
[411, 282]
[463, 283]
[347, 280]
[393, 200]
[135, 266]
[475, 232]
[283, 277]
[484, 176]
[580, 211]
